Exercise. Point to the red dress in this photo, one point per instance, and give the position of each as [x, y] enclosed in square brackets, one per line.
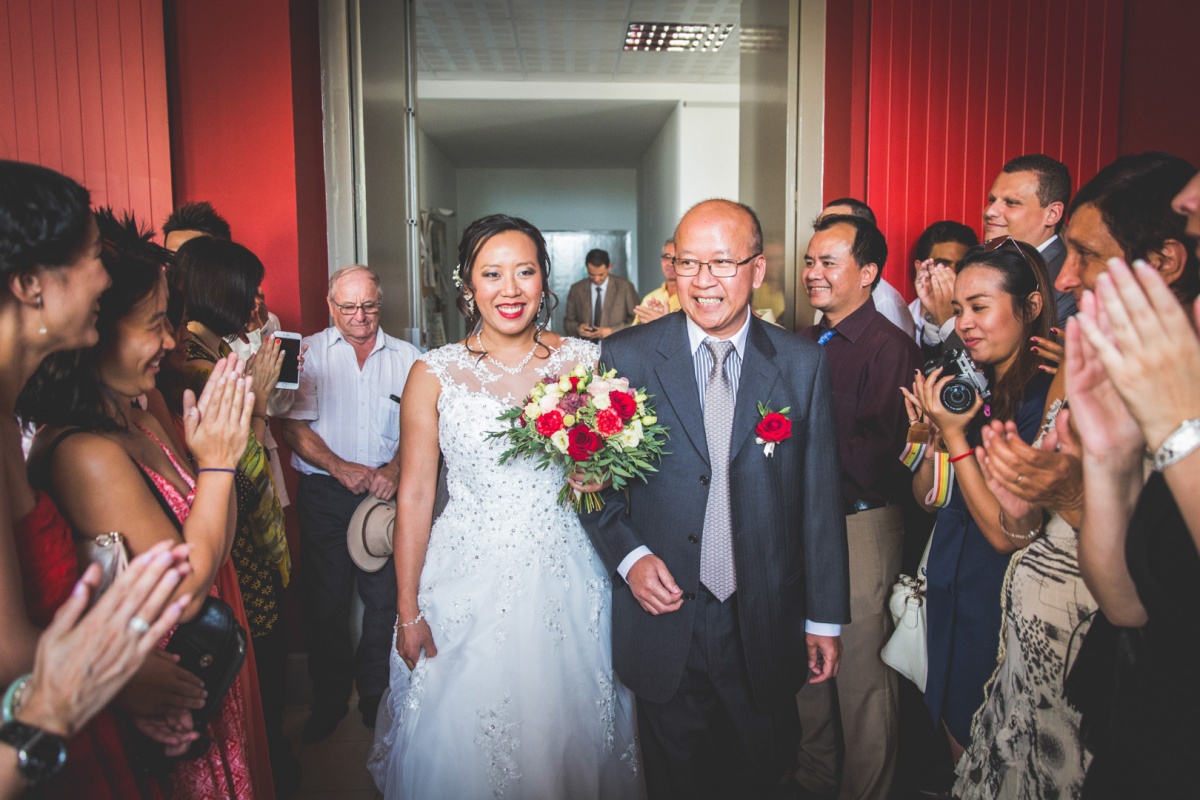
[97, 763]
[237, 731]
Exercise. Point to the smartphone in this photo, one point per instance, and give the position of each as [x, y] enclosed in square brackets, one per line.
[289, 373]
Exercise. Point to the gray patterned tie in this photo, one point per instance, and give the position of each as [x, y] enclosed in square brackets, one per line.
[716, 544]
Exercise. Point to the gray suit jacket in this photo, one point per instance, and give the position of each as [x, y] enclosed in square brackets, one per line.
[1055, 256]
[619, 300]
[789, 524]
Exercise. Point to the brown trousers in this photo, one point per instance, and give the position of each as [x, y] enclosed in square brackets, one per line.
[864, 695]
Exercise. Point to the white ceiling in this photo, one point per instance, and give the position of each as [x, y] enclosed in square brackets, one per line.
[500, 48]
[570, 40]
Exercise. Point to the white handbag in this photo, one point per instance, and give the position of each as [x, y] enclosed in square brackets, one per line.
[906, 651]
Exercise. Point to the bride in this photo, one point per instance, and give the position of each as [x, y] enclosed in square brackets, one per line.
[501, 680]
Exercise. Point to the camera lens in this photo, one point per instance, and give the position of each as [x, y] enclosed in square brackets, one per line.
[957, 396]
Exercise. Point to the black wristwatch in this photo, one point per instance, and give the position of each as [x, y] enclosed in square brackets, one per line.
[39, 754]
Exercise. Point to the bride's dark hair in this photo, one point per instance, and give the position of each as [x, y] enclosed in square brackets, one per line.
[477, 234]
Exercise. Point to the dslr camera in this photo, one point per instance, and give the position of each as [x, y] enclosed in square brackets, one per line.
[959, 394]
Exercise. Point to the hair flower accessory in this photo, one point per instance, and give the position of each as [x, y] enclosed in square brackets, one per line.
[773, 428]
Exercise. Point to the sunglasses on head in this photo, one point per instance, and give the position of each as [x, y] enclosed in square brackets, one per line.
[1008, 242]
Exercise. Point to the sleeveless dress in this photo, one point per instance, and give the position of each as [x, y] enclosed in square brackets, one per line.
[225, 772]
[1025, 740]
[963, 609]
[521, 700]
[98, 764]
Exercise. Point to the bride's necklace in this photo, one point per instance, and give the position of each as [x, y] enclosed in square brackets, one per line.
[510, 370]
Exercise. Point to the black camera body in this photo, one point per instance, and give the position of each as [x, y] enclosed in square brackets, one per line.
[959, 394]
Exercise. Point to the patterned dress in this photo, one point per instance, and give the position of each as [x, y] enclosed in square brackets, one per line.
[1025, 740]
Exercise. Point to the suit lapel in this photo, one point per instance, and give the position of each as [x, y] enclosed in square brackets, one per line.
[759, 374]
[677, 373]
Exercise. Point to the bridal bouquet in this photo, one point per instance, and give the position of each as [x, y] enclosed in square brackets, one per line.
[588, 423]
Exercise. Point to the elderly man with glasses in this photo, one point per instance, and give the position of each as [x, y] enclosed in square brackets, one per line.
[344, 431]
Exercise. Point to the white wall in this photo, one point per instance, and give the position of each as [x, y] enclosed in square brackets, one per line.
[708, 152]
[694, 158]
[658, 199]
[437, 187]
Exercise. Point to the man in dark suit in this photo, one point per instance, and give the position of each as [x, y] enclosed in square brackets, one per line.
[1028, 202]
[601, 303]
[732, 559]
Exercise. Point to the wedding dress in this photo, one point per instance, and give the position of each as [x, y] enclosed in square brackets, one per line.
[520, 700]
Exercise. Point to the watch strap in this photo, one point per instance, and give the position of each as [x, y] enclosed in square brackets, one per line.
[25, 739]
[1180, 444]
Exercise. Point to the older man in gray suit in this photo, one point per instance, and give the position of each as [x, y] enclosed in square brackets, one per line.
[733, 558]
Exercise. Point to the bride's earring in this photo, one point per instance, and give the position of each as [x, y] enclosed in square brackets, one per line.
[37, 303]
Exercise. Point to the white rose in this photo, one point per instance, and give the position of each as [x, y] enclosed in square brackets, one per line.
[631, 436]
[559, 440]
[548, 403]
[533, 411]
[601, 401]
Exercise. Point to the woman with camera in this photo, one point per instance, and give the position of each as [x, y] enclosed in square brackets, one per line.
[1002, 298]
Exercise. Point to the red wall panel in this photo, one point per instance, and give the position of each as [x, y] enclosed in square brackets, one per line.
[87, 93]
[234, 121]
[958, 87]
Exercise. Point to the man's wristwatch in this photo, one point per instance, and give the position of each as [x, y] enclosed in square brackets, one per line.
[39, 754]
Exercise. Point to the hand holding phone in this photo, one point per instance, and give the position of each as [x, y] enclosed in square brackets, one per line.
[289, 373]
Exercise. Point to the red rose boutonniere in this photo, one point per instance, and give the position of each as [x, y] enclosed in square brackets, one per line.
[773, 428]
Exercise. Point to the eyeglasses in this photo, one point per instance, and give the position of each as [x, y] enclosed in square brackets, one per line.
[992, 245]
[718, 268]
[350, 309]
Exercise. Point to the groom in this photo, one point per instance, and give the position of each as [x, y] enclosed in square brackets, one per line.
[733, 561]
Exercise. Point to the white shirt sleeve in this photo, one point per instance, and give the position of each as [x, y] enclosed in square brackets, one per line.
[890, 303]
[822, 628]
[628, 561]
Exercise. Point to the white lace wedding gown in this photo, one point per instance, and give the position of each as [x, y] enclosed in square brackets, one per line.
[521, 700]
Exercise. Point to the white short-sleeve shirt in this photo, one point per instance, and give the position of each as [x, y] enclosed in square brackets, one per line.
[355, 411]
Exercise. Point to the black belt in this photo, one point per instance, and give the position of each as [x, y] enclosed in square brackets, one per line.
[855, 506]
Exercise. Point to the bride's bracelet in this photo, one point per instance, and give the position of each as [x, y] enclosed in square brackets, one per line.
[411, 622]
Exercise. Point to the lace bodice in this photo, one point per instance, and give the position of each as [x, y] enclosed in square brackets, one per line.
[510, 511]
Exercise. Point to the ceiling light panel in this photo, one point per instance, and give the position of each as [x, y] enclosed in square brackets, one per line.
[676, 37]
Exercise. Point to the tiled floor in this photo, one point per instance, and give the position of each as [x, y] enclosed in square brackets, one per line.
[334, 769]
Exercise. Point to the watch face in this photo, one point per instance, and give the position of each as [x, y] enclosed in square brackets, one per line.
[42, 756]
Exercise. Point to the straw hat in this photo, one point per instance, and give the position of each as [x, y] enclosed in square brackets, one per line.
[369, 535]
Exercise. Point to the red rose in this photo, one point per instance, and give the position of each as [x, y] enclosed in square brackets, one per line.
[623, 403]
[574, 383]
[549, 423]
[775, 427]
[608, 422]
[582, 442]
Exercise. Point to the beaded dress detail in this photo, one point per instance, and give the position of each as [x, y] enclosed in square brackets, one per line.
[521, 700]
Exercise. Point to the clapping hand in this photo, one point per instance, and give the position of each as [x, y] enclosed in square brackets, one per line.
[935, 288]
[217, 425]
[1023, 477]
[263, 368]
[1049, 351]
[649, 311]
[83, 660]
[1140, 333]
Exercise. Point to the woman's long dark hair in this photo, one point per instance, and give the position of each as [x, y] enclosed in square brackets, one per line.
[1022, 273]
[66, 390]
[477, 234]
